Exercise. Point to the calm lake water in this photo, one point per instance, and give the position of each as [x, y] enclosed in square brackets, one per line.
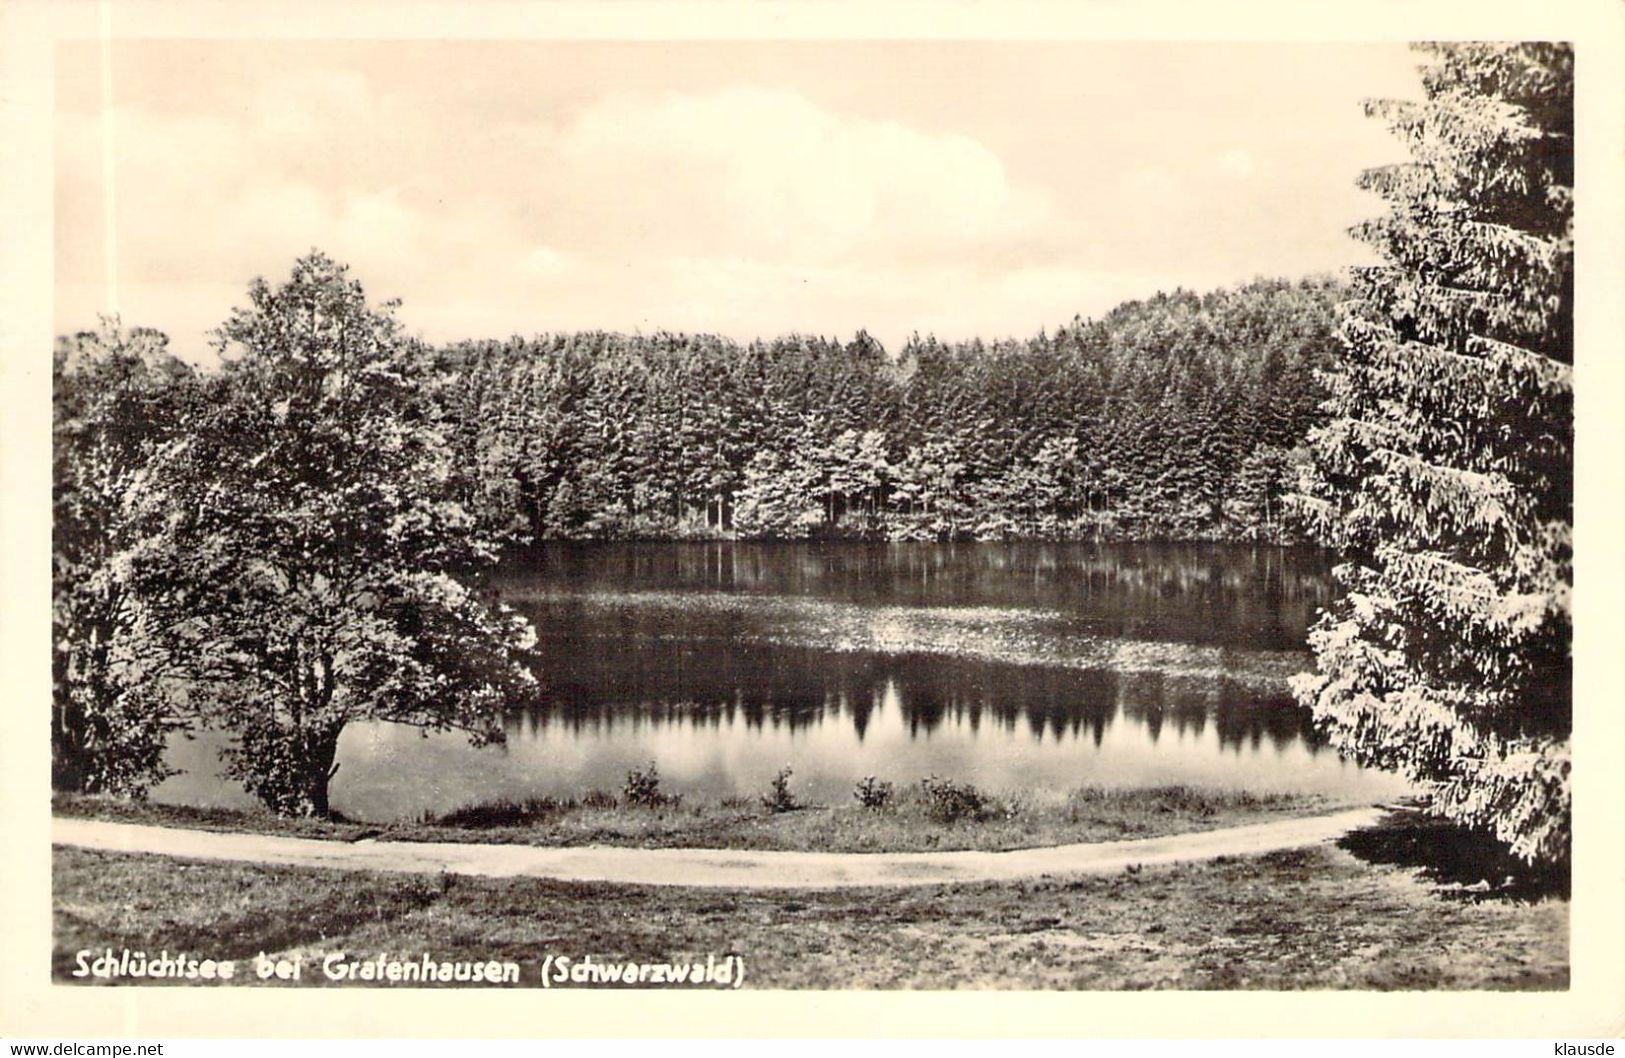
[1038, 667]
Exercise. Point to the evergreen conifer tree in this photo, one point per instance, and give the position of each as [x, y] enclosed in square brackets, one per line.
[1445, 474]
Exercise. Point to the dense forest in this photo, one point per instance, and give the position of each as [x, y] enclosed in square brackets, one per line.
[1179, 416]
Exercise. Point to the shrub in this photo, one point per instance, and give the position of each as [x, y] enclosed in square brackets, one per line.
[105, 740]
[642, 788]
[599, 799]
[872, 792]
[1010, 805]
[504, 813]
[947, 801]
[778, 797]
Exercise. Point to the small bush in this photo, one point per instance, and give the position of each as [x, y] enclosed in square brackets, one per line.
[778, 797]
[947, 801]
[873, 793]
[642, 788]
[503, 813]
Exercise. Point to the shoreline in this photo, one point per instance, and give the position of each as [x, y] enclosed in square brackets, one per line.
[714, 868]
[909, 823]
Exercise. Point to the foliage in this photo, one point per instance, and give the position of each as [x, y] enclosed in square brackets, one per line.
[324, 569]
[532, 811]
[642, 788]
[873, 793]
[778, 797]
[118, 400]
[947, 801]
[1445, 474]
[1173, 416]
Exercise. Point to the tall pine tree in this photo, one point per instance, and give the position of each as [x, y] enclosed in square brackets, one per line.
[1445, 474]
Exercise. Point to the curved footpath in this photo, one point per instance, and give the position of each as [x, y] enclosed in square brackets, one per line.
[721, 868]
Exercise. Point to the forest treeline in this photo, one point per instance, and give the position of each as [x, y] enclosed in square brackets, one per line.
[1178, 416]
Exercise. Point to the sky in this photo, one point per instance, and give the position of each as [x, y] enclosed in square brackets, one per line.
[745, 188]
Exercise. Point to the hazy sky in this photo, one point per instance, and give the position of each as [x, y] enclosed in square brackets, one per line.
[744, 188]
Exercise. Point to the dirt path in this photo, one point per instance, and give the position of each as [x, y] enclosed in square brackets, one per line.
[723, 868]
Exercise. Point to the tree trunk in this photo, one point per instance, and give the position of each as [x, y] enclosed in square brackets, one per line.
[321, 747]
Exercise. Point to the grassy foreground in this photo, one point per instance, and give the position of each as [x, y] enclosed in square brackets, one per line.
[913, 821]
[1322, 917]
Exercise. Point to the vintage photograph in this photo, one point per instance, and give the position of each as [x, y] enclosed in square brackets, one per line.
[812, 514]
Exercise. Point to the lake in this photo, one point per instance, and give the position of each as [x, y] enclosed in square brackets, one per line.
[1037, 667]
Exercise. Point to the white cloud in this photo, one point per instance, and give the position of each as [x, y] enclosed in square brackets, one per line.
[767, 174]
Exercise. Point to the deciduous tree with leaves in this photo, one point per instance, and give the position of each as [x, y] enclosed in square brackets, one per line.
[1445, 475]
[328, 567]
[118, 402]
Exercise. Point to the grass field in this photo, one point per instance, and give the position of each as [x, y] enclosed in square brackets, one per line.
[1380, 911]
